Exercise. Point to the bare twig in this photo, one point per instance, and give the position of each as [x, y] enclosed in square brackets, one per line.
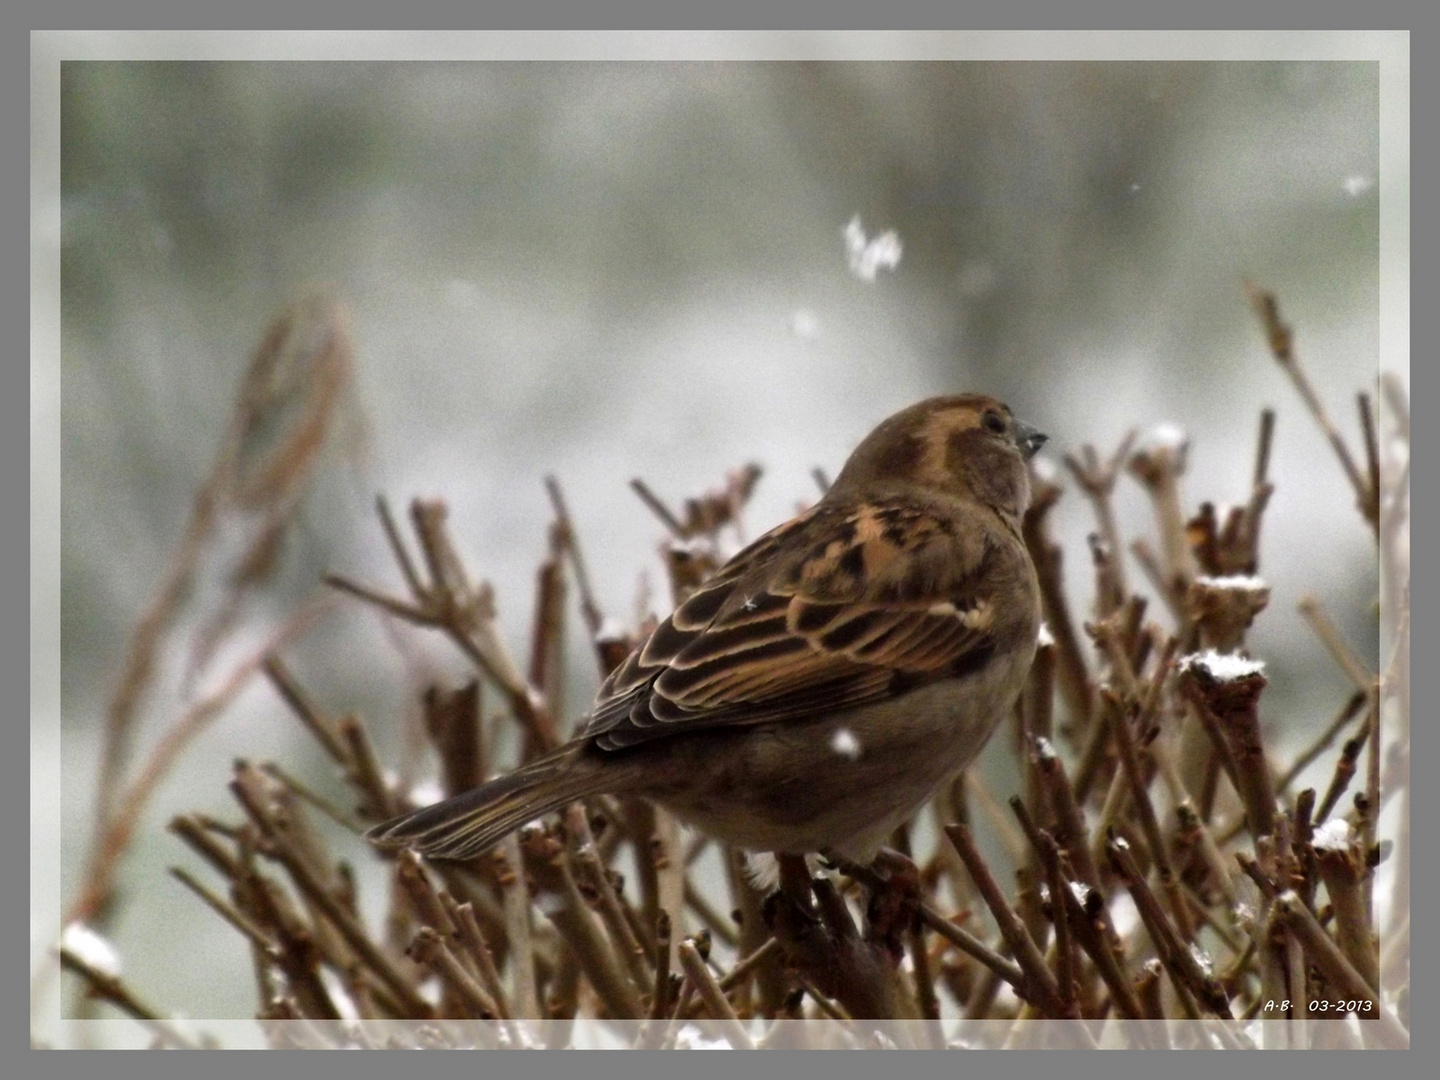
[1048, 853]
[227, 911]
[720, 1008]
[1281, 340]
[94, 892]
[1339, 972]
[301, 705]
[1072, 671]
[1097, 481]
[246, 789]
[658, 508]
[1309, 606]
[1347, 713]
[112, 988]
[1190, 980]
[1040, 982]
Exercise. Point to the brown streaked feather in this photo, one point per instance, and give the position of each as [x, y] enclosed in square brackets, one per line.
[888, 597]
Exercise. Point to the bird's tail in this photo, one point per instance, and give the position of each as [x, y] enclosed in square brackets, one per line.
[466, 825]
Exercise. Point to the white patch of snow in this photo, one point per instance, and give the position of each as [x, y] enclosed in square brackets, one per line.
[1223, 667]
[866, 257]
[610, 630]
[339, 994]
[427, 793]
[1246, 582]
[1167, 437]
[805, 324]
[1044, 469]
[1357, 185]
[93, 948]
[1335, 835]
[1201, 957]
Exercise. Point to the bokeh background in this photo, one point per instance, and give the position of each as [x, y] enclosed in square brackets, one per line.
[617, 269]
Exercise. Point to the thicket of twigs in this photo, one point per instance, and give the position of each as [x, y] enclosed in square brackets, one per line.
[1162, 865]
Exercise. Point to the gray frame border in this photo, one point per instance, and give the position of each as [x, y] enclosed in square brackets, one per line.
[1390, 49]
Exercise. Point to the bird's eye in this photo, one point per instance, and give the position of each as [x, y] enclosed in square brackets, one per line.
[993, 421]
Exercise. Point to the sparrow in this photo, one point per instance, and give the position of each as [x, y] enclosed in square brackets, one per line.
[830, 678]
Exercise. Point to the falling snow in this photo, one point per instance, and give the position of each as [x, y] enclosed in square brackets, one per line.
[867, 257]
[844, 743]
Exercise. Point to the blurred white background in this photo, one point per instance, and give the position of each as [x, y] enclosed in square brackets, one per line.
[616, 269]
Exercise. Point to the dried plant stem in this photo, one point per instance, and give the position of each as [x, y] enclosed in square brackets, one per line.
[229, 912]
[658, 508]
[1040, 985]
[301, 705]
[617, 926]
[1338, 971]
[589, 609]
[716, 923]
[1281, 340]
[94, 892]
[545, 860]
[452, 723]
[1189, 820]
[1159, 469]
[365, 772]
[1344, 771]
[429, 948]
[1097, 481]
[422, 895]
[1372, 450]
[833, 1009]
[1314, 614]
[956, 935]
[335, 813]
[652, 1031]
[111, 988]
[1069, 831]
[1037, 722]
[463, 916]
[449, 603]
[669, 872]
[1345, 873]
[1347, 713]
[748, 965]
[1371, 818]
[1094, 937]
[1150, 824]
[925, 994]
[1048, 854]
[1072, 672]
[1190, 980]
[246, 788]
[1229, 711]
[720, 1008]
[973, 947]
[1260, 485]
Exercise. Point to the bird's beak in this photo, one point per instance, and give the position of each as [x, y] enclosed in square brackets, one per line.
[1028, 439]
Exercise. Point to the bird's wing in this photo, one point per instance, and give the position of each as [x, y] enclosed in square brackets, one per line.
[842, 606]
